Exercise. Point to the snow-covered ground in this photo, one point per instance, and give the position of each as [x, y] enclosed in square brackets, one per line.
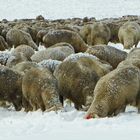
[68, 125]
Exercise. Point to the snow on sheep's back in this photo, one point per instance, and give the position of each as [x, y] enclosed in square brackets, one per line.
[56, 9]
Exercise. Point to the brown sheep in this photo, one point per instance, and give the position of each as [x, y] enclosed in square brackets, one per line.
[134, 53]
[5, 31]
[11, 87]
[56, 52]
[107, 53]
[96, 33]
[114, 91]
[128, 62]
[77, 76]
[85, 33]
[40, 17]
[133, 58]
[129, 34]
[62, 44]
[39, 88]
[71, 37]
[15, 58]
[33, 32]
[114, 29]
[3, 44]
[23, 67]
[16, 37]
[41, 34]
[26, 50]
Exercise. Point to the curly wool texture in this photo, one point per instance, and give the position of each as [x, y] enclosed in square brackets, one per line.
[79, 74]
[11, 87]
[39, 88]
[114, 91]
[107, 53]
[129, 34]
[16, 37]
[71, 37]
[55, 53]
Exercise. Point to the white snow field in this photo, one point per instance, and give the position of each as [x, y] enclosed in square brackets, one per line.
[68, 125]
[55, 9]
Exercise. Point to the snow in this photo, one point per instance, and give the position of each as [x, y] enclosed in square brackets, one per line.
[56, 9]
[74, 57]
[50, 64]
[68, 125]
[4, 56]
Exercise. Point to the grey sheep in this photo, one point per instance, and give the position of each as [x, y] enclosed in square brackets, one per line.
[16, 37]
[107, 53]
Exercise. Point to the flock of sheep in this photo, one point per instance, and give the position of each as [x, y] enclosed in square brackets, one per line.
[76, 64]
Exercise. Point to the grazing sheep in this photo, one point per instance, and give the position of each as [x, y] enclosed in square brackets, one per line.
[23, 67]
[100, 34]
[62, 44]
[16, 57]
[85, 33]
[114, 29]
[41, 34]
[129, 34]
[96, 33]
[26, 50]
[71, 37]
[11, 87]
[33, 32]
[77, 76]
[134, 53]
[39, 88]
[114, 91]
[107, 53]
[56, 52]
[16, 37]
[3, 44]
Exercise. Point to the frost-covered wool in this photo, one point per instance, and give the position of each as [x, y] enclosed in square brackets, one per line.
[77, 77]
[74, 57]
[15, 58]
[50, 64]
[54, 53]
[71, 37]
[39, 88]
[107, 53]
[4, 56]
[11, 86]
[114, 91]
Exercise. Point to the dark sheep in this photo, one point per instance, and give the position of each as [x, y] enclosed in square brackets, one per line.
[11, 87]
[71, 37]
[77, 76]
[107, 53]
